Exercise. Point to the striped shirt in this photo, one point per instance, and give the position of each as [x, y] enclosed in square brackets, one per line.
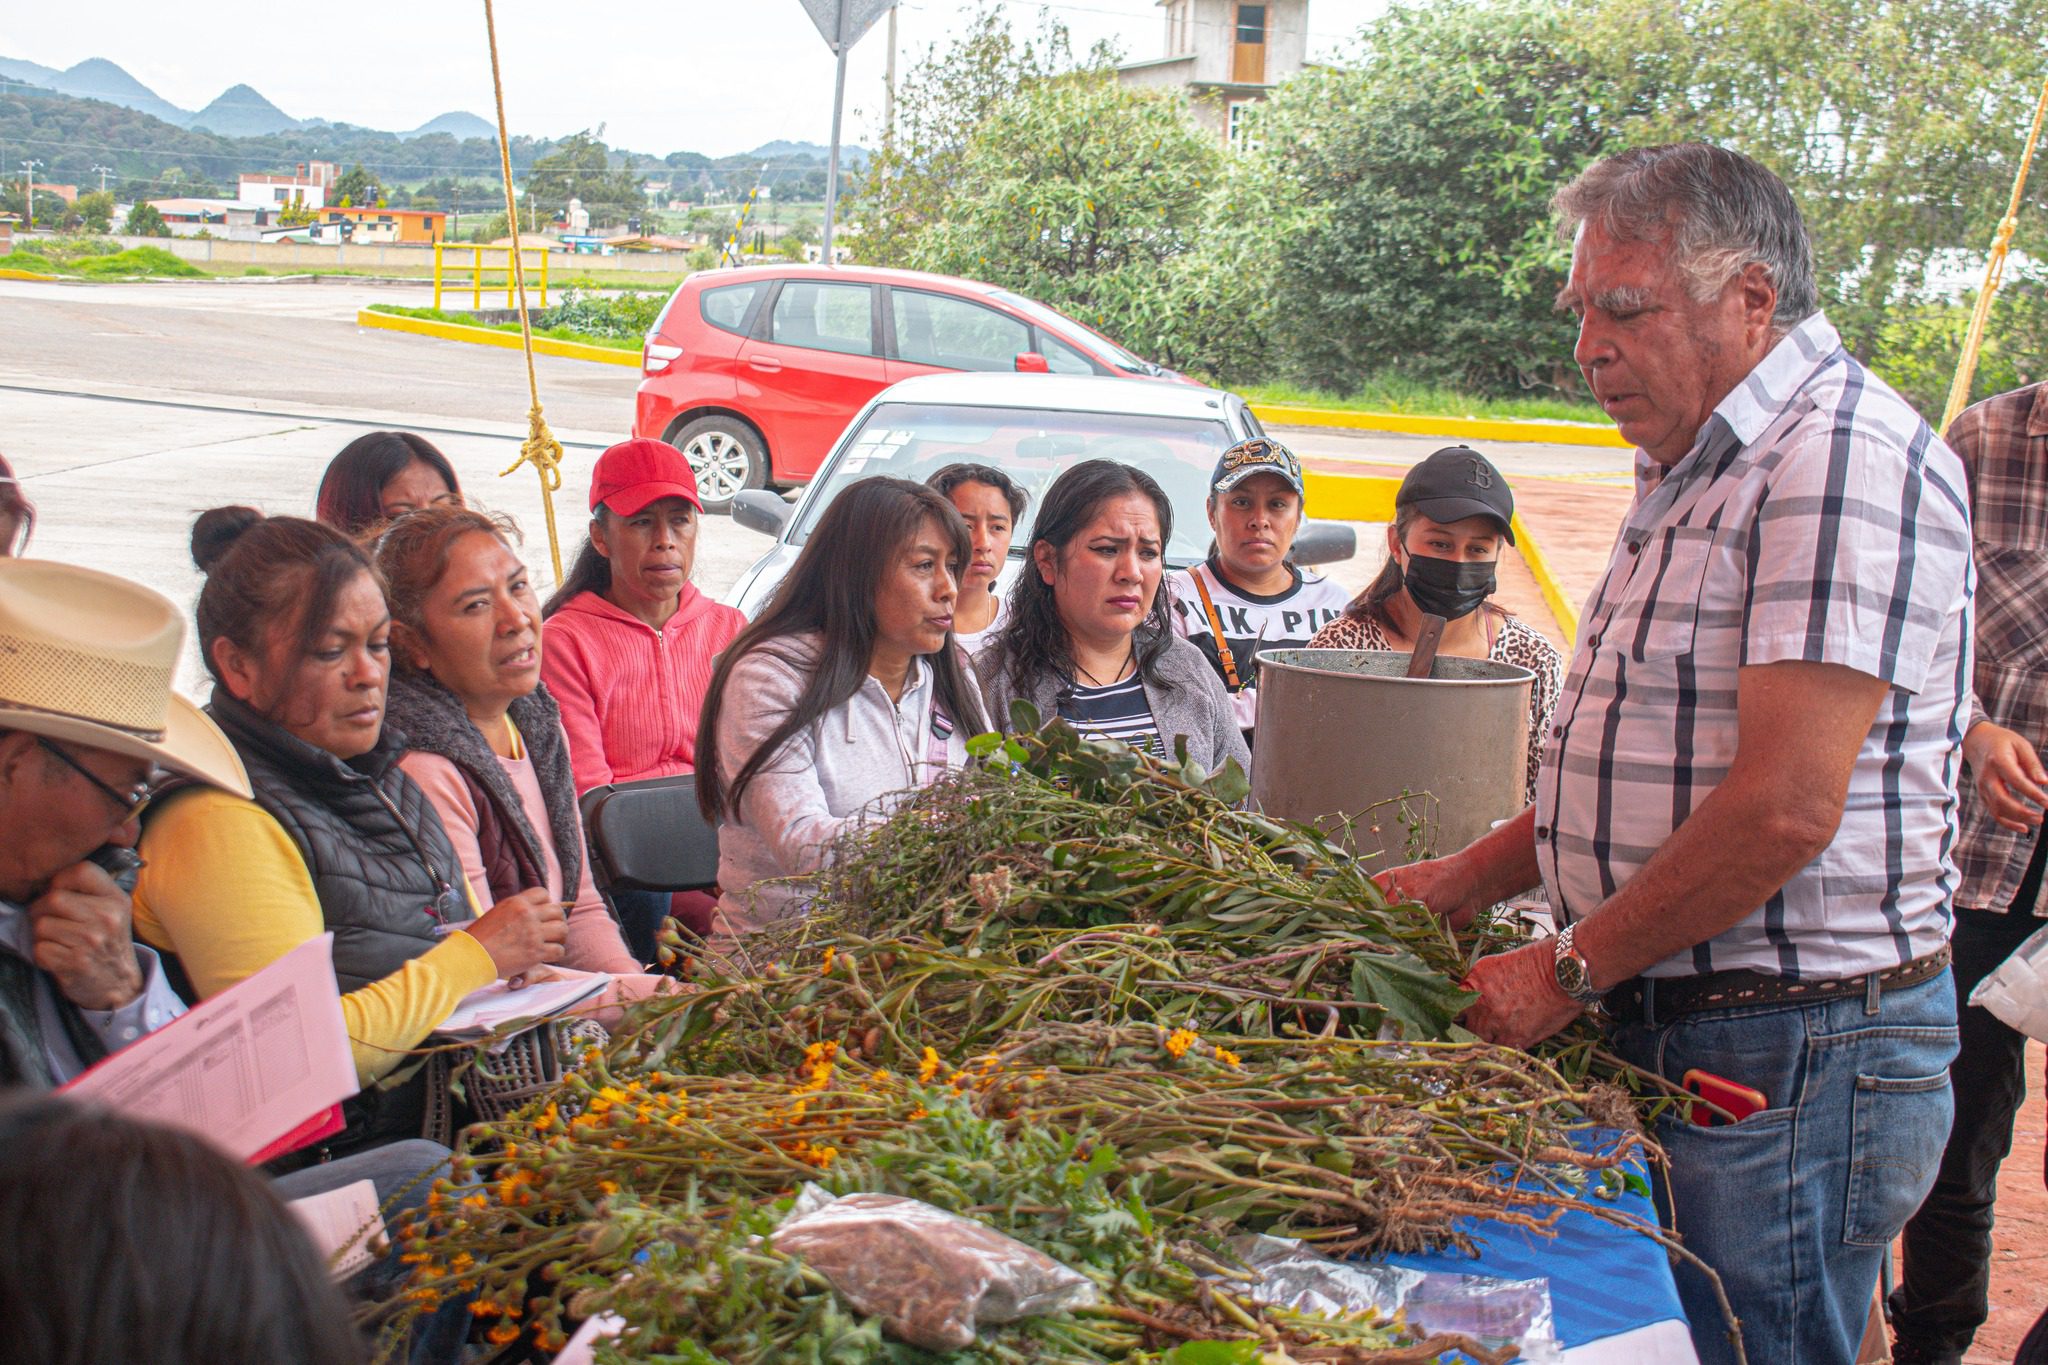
[1118, 711]
[1816, 518]
[2003, 441]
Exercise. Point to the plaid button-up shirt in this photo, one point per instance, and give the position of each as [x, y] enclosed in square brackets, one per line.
[1816, 518]
[2003, 442]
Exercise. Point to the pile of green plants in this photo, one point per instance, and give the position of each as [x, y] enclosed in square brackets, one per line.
[1080, 997]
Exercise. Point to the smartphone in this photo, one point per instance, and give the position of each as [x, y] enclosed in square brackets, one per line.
[1740, 1101]
[120, 862]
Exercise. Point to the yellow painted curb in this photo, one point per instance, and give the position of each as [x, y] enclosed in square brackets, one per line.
[485, 336]
[1562, 609]
[1349, 497]
[1466, 428]
[1370, 497]
[6, 274]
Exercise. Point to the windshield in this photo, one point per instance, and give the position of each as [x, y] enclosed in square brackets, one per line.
[916, 440]
[1074, 331]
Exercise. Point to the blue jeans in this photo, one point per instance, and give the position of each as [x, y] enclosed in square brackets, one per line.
[404, 1171]
[1795, 1205]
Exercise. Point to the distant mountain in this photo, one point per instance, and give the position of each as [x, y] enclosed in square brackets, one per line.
[815, 151]
[458, 125]
[97, 79]
[239, 111]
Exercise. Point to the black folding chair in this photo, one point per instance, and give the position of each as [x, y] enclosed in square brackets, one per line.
[650, 836]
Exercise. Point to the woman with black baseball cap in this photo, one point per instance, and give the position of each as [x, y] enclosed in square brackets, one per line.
[1451, 516]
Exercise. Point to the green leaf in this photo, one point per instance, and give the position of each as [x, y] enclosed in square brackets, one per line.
[1213, 1353]
[1418, 1001]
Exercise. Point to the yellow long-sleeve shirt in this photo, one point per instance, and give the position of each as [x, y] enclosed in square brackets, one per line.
[226, 890]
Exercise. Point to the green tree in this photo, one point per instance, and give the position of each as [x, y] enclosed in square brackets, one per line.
[95, 211]
[1424, 244]
[943, 99]
[1898, 126]
[1081, 193]
[353, 186]
[145, 221]
[580, 168]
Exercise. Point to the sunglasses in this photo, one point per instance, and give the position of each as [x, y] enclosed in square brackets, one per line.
[132, 804]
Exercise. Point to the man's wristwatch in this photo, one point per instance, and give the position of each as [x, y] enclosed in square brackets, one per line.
[1574, 973]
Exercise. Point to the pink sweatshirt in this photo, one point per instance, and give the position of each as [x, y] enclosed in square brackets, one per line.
[594, 943]
[630, 695]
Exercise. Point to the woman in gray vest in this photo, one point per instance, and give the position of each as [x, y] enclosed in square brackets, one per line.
[293, 627]
[1088, 639]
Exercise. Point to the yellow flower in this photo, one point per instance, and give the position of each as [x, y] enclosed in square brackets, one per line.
[608, 1186]
[929, 1067]
[821, 1157]
[1180, 1040]
[1227, 1057]
[826, 969]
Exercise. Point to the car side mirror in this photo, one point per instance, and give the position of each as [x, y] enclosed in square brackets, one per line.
[1031, 362]
[757, 509]
[1322, 542]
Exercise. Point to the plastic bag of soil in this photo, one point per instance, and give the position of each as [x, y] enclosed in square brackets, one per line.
[932, 1277]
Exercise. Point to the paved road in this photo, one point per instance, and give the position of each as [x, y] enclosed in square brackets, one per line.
[127, 409]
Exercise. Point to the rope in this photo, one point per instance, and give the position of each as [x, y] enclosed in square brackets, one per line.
[540, 449]
[1994, 273]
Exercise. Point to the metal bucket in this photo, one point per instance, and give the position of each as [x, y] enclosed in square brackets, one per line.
[1397, 768]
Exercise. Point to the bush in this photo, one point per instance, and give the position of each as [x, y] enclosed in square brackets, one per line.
[145, 221]
[1919, 345]
[627, 317]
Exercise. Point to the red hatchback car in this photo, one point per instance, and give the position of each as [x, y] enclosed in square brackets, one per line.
[754, 372]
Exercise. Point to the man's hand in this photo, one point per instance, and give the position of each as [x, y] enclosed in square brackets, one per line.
[79, 934]
[1520, 1003]
[1443, 886]
[2008, 774]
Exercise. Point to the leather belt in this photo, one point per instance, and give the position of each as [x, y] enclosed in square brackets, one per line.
[1663, 998]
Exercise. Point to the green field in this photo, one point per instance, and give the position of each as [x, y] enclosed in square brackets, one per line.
[1381, 394]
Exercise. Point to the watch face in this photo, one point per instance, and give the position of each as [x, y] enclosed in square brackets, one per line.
[1571, 975]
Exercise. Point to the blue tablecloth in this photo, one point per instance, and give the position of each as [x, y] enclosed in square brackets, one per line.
[1604, 1280]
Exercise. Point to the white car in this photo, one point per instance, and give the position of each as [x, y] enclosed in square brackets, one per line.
[1030, 426]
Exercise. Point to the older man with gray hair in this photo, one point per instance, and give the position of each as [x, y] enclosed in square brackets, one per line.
[1747, 803]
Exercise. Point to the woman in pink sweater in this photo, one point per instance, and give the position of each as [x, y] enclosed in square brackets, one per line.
[630, 643]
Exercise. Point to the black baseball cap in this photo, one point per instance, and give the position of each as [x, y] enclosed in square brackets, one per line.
[1247, 458]
[1458, 482]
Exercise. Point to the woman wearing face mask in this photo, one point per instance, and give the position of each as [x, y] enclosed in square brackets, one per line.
[1088, 638]
[294, 628]
[844, 692]
[383, 475]
[629, 644]
[487, 741]
[1246, 596]
[1451, 516]
[990, 502]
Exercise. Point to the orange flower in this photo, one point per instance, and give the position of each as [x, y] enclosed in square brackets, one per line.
[929, 1067]
[1180, 1040]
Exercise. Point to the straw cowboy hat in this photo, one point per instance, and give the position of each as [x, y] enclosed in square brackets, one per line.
[86, 658]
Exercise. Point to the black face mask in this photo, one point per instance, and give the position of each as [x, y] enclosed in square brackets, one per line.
[1447, 588]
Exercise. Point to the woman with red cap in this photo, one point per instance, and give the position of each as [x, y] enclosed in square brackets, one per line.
[629, 640]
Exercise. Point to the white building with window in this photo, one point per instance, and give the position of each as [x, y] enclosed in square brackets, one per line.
[1227, 56]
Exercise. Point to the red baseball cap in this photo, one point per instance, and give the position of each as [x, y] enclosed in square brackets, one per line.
[634, 473]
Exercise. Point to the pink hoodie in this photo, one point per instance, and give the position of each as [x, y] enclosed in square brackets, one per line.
[631, 695]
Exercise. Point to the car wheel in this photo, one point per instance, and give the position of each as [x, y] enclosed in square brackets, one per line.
[726, 455]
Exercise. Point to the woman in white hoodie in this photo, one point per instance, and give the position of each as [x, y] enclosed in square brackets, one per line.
[846, 692]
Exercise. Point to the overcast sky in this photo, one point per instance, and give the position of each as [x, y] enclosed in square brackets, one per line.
[716, 76]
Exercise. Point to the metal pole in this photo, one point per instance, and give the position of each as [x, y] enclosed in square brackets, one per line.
[889, 86]
[832, 168]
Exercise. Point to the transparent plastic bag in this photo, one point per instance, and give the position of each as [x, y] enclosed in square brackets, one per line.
[932, 1277]
[1496, 1312]
[2018, 991]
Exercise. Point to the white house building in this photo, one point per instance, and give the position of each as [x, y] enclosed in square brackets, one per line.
[1227, 56]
